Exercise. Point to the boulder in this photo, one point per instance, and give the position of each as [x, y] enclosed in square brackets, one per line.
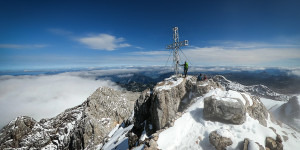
[273, 144]
[219, 142]
[232, 111]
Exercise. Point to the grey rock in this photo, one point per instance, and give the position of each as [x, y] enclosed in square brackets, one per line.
[153, 144]
[219, 142]
[273, 144]
[224, 111]
[246, 143]
[132, 139]
[258, 111]
[13, 133]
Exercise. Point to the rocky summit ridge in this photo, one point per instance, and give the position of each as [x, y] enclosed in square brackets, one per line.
[112, 119]
[82, 127]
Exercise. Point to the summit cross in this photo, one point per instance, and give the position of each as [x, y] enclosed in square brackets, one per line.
[175, 48]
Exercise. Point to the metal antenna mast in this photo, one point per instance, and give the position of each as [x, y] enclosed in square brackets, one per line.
[175, 48]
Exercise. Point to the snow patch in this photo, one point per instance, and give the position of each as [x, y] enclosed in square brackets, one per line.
[168, 83]
[225, 133]
[252, 145]
[118, 140]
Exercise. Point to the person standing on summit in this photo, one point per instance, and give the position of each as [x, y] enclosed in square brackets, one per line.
[186, 67]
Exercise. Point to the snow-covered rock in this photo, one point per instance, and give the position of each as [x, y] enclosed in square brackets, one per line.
[173, 94]
[218, 140]
[191, 130]
[289, 112]
[169, 116]
[80, 127]
[258, 90]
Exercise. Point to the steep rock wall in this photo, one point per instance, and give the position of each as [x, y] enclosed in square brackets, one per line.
[173, 95]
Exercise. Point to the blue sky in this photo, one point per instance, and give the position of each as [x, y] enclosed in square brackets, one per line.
[71, 34]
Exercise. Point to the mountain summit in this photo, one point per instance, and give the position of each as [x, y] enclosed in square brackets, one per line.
[178, 113]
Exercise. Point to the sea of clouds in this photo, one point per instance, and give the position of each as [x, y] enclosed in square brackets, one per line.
[44, 96]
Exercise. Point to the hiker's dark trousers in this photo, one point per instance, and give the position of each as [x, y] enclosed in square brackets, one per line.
[185, 72]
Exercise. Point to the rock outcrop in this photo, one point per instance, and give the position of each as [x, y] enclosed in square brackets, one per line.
[84, 126]
[257, 110]
[173, 95]
[218, 141]
[272, 144]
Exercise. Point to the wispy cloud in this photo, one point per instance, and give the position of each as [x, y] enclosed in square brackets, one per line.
[103, 42]
[138, 47]
[150, 53]
[245, 57]
[22, 46]
[251, 45]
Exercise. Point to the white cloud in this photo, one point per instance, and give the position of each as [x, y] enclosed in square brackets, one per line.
[20, 46]
[103, 42]
[241, 57]
[45, 95]
[150, 53]
[251, 45]
[237, 55]
[295, 72]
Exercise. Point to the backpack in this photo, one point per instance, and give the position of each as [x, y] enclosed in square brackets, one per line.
[186, 65]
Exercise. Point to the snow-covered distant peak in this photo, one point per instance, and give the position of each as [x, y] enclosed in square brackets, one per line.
[257, 90]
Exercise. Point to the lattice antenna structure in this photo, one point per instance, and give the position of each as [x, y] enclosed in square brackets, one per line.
[175, 47]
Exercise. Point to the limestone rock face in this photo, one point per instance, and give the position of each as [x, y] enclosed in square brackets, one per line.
[219, 142]
[105, 108]
[172, 95]
[81, 127]
[224, 111]
[165, 103]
